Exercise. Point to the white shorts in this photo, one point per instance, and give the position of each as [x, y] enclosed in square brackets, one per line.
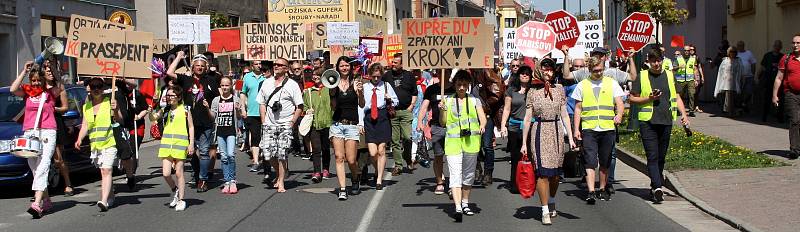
[462, 169]
[106, 158]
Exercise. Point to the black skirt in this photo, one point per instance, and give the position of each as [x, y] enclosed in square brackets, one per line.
[380, 130]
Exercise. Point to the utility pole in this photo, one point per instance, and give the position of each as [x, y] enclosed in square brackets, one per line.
[564, 5]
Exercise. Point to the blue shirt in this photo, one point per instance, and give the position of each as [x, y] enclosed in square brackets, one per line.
[250, 88]
[570, 101]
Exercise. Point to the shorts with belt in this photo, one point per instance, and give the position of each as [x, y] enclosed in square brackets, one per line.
[345, 129]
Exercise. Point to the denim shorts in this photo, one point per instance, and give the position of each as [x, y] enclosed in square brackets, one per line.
[346, 132]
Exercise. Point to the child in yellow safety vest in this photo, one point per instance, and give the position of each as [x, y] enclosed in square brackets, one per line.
[177, 141]
[465, 121]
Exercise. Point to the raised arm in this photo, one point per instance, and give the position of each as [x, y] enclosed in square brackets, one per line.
[16, 86]
[172, 67]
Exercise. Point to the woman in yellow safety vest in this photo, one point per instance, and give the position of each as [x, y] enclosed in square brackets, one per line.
[177, 141]
[97, 120]
[465, 121]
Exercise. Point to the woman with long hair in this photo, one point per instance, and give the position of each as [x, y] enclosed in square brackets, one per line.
[318, 100]
[377, 97]
[546, 102]
[514, 116]
[52, 74]
[36, 94]
[346, 128]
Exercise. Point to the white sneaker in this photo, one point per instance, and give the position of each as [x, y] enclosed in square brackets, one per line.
[175, 199]
[546, 219]
[180, 206]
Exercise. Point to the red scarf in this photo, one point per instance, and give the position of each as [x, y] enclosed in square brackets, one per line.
[539, 83]
[32, 90]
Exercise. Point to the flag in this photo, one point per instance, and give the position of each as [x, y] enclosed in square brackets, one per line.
[677, 41]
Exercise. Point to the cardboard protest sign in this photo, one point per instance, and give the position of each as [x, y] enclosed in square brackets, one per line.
[510, 51]
[447, 43]
[374, 45]
[319, 34]
[189, 29]
[635, 31]
[294, 11]
[226, 41]
[394, 45]
[565, 26]
[78, 21]
[114, 53]
[270, 41]
[535, 39]
[342, 33]
[161, 46]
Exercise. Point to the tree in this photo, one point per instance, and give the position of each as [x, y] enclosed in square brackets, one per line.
[663, 11]
[218, 20]
[591, 15]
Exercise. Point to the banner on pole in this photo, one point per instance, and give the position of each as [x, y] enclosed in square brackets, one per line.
[113, 53]
[435, 43]
[189, 29]
[270, 41]
[294, 11]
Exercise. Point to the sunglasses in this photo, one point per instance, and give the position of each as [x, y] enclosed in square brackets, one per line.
[171, 96]
[579, 66]
[515, 65]
[597, 70]
[279, 65]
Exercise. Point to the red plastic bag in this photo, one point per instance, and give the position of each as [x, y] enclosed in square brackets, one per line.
[155, 131]
[526, 179]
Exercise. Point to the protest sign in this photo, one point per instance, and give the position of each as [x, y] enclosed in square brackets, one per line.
[319, 35]
[294, 11]
[342, 33]
[591, 36]
[341, 50]
[535, 39]
[374, 45]
[394, 45]
[510, 51]
[78, 21]
[635, 31]
[113, 53]
[189, 29]
[447, 43]
[565, 26]
[270, 41]
[161, 46]
[226, 41]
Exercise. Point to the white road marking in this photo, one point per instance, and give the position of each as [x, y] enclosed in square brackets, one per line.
[363, 226]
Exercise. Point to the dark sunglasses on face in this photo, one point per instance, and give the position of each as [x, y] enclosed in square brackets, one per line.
[597, 70]
[514, 65]
[279, 65]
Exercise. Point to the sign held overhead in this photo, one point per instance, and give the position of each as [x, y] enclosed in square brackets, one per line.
[565, 26]
[270, 41]
[535, 39]
[447, 43]
[111, 53]
[635, 31]
[189, 29]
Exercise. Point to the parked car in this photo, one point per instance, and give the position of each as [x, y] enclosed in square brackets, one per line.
[15, 170]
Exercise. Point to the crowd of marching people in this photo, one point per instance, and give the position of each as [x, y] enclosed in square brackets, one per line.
[359, 114]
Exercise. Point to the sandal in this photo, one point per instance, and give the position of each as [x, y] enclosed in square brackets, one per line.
[439, 189]
[69, 193]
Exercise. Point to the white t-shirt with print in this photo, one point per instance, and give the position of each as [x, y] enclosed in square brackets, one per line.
[290, 97]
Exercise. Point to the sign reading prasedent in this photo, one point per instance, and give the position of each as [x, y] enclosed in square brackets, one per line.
[308, 11]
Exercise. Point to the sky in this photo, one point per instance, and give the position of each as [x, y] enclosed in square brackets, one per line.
[572, 5]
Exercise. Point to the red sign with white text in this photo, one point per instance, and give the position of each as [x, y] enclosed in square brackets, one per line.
[566, 27]
[535, 39]
[635, 31]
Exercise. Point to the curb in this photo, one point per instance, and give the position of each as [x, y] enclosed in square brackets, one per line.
[673, 184]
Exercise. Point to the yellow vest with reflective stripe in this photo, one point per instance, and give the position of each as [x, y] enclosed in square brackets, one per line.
[454, 143]
[646, 110]
[100, 132]
[175, 139]
[597, 111]
[687, 72]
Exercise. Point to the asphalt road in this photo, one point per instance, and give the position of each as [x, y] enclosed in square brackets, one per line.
[406, 204]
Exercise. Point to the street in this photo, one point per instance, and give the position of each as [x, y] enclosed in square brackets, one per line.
[406, 204]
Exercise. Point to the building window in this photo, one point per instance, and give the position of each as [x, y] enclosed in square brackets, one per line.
[511, 23]
[783, 3]
[189, 10]
[233, 20]
[743, 8]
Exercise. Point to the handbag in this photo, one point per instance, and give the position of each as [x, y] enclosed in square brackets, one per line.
[389, 106]
[526, 179]
[30, 146]
[155, 131]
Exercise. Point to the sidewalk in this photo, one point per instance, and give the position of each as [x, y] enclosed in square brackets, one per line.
[766, 198]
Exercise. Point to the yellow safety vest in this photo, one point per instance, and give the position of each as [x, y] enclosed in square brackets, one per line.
[175, 139]
[100, 132]
[597, 111]
[666, 64]
[646, 110]
[454, 143]
[687, 72]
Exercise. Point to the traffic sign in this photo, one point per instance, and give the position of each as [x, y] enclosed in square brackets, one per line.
[635, 31]
[565, 26]
[535, 39]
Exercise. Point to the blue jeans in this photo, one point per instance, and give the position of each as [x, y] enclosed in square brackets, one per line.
[203, 142]
[226, 146]
[486, 147]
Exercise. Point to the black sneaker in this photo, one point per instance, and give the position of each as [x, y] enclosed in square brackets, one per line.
[355, 189]
[459, 216]
[604, 195]
[658, 196]
[467, 211]
[131, 183]
[342, 194]
[610, 188]
[592, 198]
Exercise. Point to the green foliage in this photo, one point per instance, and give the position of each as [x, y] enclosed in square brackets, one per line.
[591, 15]
[663, 11]
[218, 20]
[699, 152]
